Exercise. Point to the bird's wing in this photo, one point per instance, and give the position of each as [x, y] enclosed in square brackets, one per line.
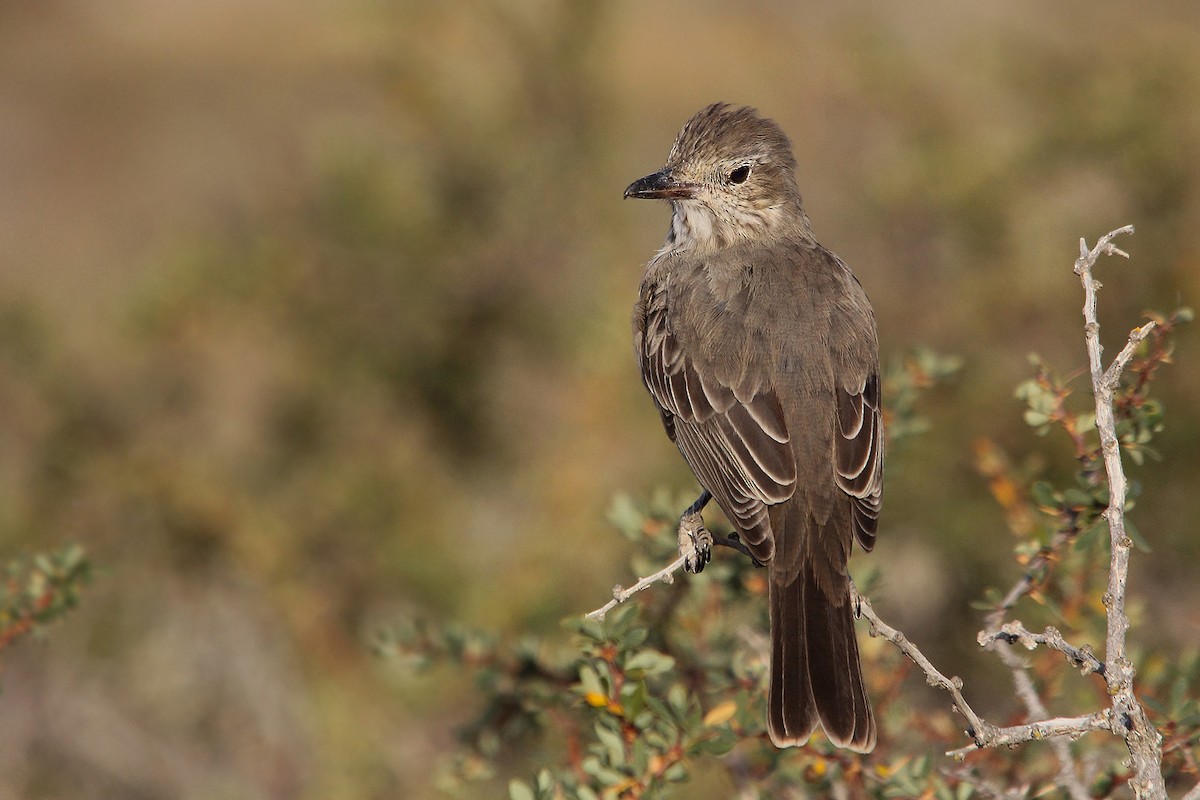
[859, 443]
[734, 438]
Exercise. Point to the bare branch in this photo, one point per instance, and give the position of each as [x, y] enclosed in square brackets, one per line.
[979, 730]
[1143, 740]
[1112, 375]
[1072, 727]
[1016, 633]
[982, 732]
[620, 595]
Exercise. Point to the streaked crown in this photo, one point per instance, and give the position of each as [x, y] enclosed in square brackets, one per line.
[723, 133]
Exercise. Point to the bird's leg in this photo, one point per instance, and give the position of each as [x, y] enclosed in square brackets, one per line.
[699, 505]
[695, 540]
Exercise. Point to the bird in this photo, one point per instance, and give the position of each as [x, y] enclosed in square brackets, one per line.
[759, 348]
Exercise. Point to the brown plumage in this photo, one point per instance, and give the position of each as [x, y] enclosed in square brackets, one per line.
[758, 346]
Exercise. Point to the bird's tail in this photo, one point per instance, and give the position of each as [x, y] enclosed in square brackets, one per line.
[815, 672]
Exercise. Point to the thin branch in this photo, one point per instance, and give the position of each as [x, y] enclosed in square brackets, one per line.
[1143, 740]
[979, 730]
[1072, 727]
[1082, 658]
[1112, 375]
[982, 732]
[1194, 794]
[620, 595]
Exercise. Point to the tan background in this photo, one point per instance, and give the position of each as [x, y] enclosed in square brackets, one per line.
[313, 314]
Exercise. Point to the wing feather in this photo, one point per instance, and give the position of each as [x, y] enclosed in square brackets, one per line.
[859, 455]
[737, 447]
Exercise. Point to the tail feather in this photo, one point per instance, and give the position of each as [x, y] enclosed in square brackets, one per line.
[792, 713]
[816, 677]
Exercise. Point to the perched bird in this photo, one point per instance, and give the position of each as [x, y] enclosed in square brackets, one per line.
[758, 346]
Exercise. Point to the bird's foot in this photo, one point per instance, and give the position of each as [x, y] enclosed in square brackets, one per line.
[695, 542]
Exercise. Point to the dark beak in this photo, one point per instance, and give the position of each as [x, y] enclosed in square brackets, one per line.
[662, 185]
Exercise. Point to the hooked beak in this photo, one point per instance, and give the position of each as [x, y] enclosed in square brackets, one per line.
[662, 185]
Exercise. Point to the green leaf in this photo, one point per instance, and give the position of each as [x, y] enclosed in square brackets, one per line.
[719, 744]
[639, 758]
[619, 620]
[591, 628]
[545, 781]
[1027, 389]
[1036, 419]
[658, 708]
[677, 697]
[1043, 494]
[676, 772]
[634, 637]
[633, 698]
[643, 719]
[657, 741]
[589, 680]
[1076, 498]
[651, 662]
[611, 741]
[518, 790]
[594, 767]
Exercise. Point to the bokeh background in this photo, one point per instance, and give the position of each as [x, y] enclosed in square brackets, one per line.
[314, 315]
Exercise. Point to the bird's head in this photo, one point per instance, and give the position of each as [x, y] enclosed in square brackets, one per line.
[729, 176]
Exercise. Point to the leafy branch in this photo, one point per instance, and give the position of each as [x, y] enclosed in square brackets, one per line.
[39, 590]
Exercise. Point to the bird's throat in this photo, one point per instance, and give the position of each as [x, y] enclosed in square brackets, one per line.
[698, 226]
[692, 227]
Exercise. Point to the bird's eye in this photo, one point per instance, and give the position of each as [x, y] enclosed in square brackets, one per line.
[740, 174]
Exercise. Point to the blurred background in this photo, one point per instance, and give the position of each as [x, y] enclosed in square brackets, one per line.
[313, 315]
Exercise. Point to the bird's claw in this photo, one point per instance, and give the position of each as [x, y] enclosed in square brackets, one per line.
[695, 542]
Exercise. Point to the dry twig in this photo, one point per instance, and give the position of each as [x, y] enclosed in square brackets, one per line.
[1015, 633]
[620, 594]
[1129, 718]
